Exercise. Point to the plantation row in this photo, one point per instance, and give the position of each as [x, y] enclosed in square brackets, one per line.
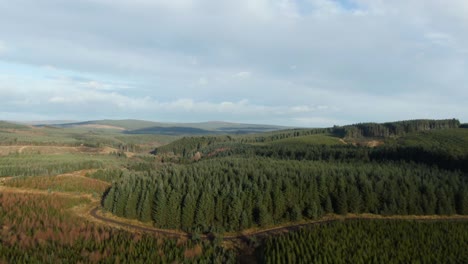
[231, 194]
[443, 158]
[40, 229]
[370, 241]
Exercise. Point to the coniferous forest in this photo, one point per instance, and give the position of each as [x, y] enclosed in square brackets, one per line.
[276, 131]
[232, 194]
[370, 241]
[380, 193]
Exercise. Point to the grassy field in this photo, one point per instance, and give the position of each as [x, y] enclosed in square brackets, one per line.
[38, 164]
[72, 182]
[88, 136]
[454, 139]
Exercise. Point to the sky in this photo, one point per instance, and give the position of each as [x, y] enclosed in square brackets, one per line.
[304, 63]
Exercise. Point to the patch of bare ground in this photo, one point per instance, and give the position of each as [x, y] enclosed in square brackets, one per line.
[196, 251]
[3, 180]
[216, 151]
[98, 215]
[374, 143]
[80, 173]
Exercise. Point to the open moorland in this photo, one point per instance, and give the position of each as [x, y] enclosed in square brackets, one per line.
[136, 191]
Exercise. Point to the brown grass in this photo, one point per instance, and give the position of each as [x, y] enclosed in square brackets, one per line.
[70, 182]
[32, 219]
[196, 251]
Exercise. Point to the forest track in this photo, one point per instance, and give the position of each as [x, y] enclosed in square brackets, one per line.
[92, 214]
[275, 230]
[167, 233]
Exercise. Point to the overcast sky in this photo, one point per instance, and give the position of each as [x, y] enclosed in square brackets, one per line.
[299, 62]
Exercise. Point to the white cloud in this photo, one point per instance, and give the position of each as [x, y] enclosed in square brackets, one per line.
[289, 59]
[58, 99]
[243, 74]
[319, 121]
[202, 81]
[3, 47]
[440, 38]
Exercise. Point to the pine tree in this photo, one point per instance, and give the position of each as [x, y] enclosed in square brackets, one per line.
[159, 214]
[109, 199]
[188, 212]
[145, 211]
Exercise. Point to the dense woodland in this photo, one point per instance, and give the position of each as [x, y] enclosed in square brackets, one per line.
[231, 194]
[231, 185]
[393, 129]
[380, 241]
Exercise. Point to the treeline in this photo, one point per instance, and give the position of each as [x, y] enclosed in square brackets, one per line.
[380, 241]
[233, 194]
[393, 129]
[450, 159]
[187, 146]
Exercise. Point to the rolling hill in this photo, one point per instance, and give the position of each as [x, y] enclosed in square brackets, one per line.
[132, 126]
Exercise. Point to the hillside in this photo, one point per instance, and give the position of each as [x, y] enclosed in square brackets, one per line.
[10, 125]
[227, 198]
[239, 182]
[367, 134]
[131, 126]
[127, 124]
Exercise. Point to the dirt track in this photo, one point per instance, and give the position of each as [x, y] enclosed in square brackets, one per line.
[94, 215]
[272, 231]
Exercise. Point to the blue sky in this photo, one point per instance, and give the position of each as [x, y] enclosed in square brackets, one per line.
[300, 63]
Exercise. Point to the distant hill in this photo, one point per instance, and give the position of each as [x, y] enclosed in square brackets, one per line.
[132, 126]
[127, 124]
[176, 130]
[322, 136]
[10, 125]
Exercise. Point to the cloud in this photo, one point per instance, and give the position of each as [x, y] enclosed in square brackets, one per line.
[243, 74]
[3, 47]
[199, 60]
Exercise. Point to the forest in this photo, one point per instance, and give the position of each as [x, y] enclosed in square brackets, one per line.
[399, 188]
[232, 194]
[238, 185]
[380, 241]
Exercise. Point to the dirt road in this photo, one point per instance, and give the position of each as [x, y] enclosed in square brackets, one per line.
[276, 230]
[94, 214]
